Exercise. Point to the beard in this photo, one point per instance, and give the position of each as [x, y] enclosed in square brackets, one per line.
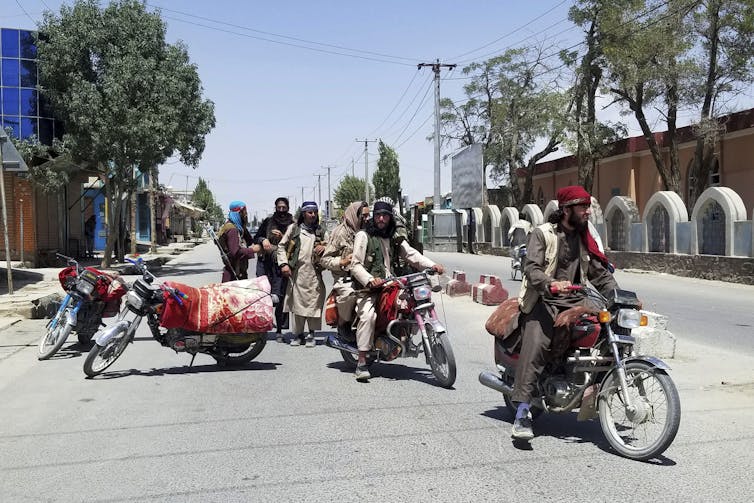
[576, 223]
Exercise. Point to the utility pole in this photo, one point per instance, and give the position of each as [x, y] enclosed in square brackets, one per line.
[329, 192]
[436, 66]
[366, 168]
[302, 194]
[319, 187]
[352, 170]
[3, 139]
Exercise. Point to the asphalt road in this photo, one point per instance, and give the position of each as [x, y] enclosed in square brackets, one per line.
[295, 426]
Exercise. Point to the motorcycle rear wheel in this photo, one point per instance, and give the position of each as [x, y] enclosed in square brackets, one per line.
[101, 357]
[441, 359]
[645, 433]
[54, 338]
[245, 355]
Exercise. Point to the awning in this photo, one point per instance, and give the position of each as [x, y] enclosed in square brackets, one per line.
[187, 209]
[11, 158]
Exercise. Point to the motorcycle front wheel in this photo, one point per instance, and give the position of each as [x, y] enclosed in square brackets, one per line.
[441, 358]
[57, 333]
[101, 357]
[646, 431]
[238, 355]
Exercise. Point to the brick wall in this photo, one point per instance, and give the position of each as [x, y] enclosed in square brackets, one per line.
[18, 194]
[730, 269]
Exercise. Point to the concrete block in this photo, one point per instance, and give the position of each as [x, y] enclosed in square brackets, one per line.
[458, 285]
[654, 339]
[489, 291]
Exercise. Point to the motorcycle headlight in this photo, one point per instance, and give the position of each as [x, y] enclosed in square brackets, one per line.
[423, 292]
[133, 299]
[85, 283]
[630, 318]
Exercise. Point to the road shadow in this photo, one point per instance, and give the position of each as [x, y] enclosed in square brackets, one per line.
[196, 369]
[393, 371]
[567, 428]
[186, 269]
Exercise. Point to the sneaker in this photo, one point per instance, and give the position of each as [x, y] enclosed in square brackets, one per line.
[522, 429]
[310, 342]
[280, 337]
[362, 373]
[297, 341]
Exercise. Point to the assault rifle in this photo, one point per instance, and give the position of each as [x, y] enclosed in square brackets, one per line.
[223, 255]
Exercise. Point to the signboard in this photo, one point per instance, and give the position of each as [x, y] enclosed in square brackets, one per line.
[468, 177]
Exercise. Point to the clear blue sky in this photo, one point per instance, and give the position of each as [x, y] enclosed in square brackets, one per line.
[283, 111]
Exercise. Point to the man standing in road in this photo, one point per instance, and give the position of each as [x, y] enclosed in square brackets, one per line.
[268, 236]
[560, 253]
[299, 254]
[236, 242]
[376, 251]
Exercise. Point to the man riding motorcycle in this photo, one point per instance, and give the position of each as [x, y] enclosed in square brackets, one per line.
[560, 253]
[376, 252]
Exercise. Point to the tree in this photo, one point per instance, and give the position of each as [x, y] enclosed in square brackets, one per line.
[644, 43]
[592, 136]
[128, 99]
[726, 28]
[387, 178]
[203, 198]
[349, 190]
[44, 162]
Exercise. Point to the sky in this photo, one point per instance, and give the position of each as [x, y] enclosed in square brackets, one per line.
[296, 83]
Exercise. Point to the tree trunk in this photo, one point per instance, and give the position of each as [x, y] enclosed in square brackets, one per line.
[152, 222]
[674, 170]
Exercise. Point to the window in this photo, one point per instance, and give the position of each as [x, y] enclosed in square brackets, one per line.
[9, 41]
[14, 124]
[28, 127]
[10, 101]
[10, 72]
[45, 131]
[29, 102]
[28, 73]
[28, 45]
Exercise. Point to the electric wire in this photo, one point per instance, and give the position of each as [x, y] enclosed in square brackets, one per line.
[421, 105]
[24, 11]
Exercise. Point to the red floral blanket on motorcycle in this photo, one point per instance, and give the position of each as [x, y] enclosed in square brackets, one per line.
[243, 306]
[108, 287]
[387, 310]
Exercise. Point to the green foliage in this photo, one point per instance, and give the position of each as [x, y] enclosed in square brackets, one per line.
[45, 162]
[128, 99]
[387, 178]
[350, 189]
[203, 198]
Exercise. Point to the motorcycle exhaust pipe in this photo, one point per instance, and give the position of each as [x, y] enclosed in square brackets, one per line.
[492, 380]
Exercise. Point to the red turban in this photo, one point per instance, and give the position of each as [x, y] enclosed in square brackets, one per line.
[571, 196]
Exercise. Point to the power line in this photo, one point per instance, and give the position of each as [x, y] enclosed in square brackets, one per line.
[511, 32]
[24, 11]
[421, 104]
[396, 104]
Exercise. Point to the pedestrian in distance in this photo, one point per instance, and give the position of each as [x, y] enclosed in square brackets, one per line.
[299, 254]
[89, 227]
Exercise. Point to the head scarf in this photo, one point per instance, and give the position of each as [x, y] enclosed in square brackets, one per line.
[308, 206]
[572, 196]
[280, 220]
[351, 223]
[382, 207]
[235, 214]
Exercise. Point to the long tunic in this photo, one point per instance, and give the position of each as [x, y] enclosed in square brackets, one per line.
[305, 295]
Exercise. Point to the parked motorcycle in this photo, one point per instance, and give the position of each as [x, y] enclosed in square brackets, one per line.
[406, 310]
[518, 254]
[635, 398]
[176, 328]
[90, 296]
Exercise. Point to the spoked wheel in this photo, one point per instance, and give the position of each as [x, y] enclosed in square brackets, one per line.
[101, 357]
[646, 430]
[242, 353]
[441, 358]
[55, 336]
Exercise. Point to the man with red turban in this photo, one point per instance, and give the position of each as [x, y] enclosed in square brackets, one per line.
[560, 253]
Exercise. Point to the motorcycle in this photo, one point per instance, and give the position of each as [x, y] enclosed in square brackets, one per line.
[518, 254]
[90, 296]
[406, 310]
[170, 308]
[634, 397]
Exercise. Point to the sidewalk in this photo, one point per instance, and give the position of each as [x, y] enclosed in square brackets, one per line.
[36, 292]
